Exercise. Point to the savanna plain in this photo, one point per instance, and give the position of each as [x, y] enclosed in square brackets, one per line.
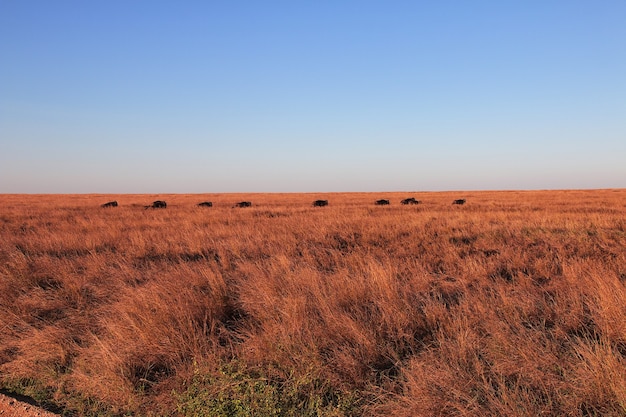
[513, 304]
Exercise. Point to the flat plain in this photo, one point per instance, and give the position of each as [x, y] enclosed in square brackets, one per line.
[512, 304]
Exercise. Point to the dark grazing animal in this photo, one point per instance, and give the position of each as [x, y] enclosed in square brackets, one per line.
[382, 202]
[320, 203]
[459, 201]
[244, 204]
[109, 204]
[157, 204]
[410, 200]
[205, 204]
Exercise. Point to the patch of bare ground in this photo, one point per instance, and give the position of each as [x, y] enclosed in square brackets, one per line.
[14, 407]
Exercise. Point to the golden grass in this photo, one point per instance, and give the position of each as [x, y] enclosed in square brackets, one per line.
[513, 304]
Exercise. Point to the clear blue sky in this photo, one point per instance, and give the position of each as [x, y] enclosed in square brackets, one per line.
[272, 96]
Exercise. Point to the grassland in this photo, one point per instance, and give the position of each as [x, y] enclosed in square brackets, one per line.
[513, 304]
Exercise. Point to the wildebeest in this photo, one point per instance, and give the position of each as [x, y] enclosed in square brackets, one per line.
[320, 203]
[109, 204]
[459, 201]
[205, 204]
[410, 200]
[382, 202]
[244, 204]
[157, 204]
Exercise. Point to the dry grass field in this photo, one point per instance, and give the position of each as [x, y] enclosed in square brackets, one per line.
[513, 304]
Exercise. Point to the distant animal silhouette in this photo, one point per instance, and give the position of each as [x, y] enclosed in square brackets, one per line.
[320, 203]
[109, 204]
[410, 200]
[244, 204]
[157, 204]
[205, 204]
[460, 201]
[382, 202]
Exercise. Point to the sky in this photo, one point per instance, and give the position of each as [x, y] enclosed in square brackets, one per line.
[122, 96]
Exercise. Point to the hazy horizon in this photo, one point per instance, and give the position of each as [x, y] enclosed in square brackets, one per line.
[154, 97]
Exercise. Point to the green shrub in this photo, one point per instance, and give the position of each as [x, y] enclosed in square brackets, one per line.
[238, 391]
